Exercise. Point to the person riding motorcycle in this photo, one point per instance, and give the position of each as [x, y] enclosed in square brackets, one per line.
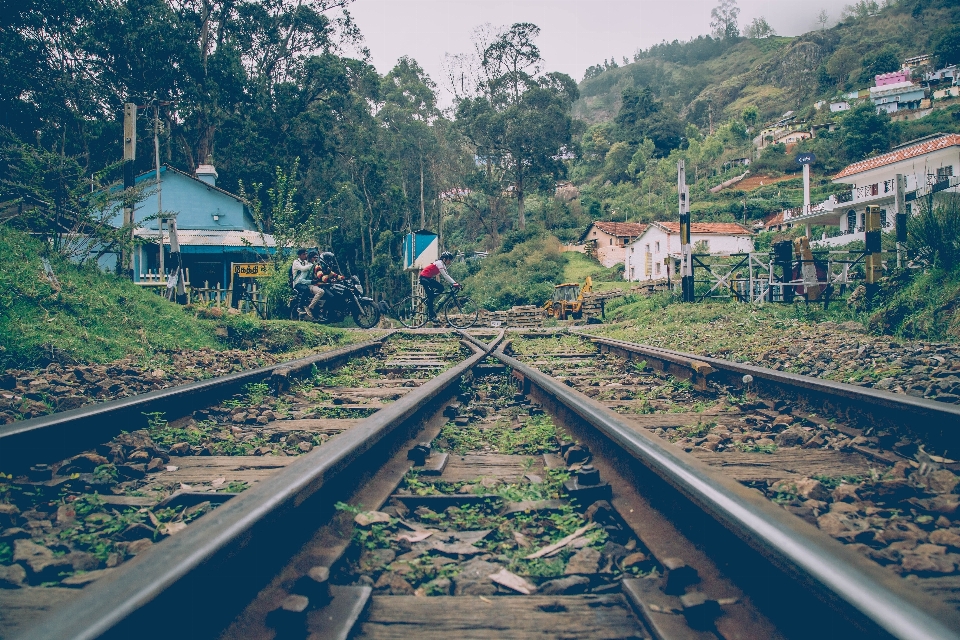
[428, 280]
[324, 273]
[301, 274]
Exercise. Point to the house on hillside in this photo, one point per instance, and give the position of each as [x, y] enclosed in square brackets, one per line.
[607, 241]
[791, 137]
[214, 227]
[932, 161]
[649, 256]
[897, 96]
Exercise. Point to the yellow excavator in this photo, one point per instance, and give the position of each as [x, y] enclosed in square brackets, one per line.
[568, 300]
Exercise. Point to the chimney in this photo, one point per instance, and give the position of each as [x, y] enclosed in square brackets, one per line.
[207, 173]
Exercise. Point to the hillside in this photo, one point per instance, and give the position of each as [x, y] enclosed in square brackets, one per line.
[775, 74]
[707, 100]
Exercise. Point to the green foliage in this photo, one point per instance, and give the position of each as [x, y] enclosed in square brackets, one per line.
[537, 435]
[885, 60]
[519, 273]
[946, 45]
[519, 124]
[841, 64]
[865, 132]
[933, 234]
[90, 316]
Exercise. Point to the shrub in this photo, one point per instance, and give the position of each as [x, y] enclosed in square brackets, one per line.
[518, 273]
[933, 235]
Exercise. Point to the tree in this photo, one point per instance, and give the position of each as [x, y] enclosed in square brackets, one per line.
[642, 116]
[865, 132]
[616, 165]
[885, 60]
[946, 45]
[843, 61]
[823, 18]
[759, 28]
[750, 116]
[723, 20]
[520, 127]
[861, 9]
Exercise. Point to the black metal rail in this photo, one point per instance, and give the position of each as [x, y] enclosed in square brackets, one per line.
[208, 572]
[937, 422]
[60, 435]
[851, 590]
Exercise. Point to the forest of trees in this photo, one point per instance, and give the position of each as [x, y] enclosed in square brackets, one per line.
[281, 96]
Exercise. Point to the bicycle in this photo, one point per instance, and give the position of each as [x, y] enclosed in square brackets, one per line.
[459, 311]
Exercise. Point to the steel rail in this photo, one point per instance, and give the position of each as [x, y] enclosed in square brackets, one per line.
[204, 571]
[936, 420]
[60, 435]
[864, 593]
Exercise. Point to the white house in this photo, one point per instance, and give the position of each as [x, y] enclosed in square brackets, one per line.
[933, 160]
[647, 256]
[607, 241]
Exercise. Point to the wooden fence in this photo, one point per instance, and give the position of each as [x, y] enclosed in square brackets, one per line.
[250, 299]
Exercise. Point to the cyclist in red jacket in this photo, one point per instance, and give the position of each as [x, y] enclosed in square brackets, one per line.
[428, 280]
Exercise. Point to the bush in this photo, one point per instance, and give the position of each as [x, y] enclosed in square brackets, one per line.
[933, 235]
[520, 272]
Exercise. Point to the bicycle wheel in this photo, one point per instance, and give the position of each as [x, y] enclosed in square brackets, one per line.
[412, 312]
[461, 312]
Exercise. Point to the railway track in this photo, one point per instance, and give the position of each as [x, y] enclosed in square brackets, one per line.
[446, 487]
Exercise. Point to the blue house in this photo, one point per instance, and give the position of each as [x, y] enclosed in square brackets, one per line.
[214, 227]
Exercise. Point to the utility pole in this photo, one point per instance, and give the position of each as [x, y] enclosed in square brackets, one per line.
[872, 257]
[129, 155]
[686, 259]
[156, 162]
[901, 219]
[806, 196]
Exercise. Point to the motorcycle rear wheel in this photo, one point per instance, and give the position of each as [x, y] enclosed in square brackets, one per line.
[368, 315]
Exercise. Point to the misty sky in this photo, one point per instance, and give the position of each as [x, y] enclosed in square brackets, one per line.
[575, 34]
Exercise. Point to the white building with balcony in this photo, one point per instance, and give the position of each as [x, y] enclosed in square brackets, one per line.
[929, 161]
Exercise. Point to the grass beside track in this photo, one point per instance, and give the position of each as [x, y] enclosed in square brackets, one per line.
[90, 316]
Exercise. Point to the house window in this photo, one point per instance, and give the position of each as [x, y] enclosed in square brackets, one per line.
[658, 246]
[944, 172]
[656, 268]
[648, 248]
[611, 242]
[851, 221]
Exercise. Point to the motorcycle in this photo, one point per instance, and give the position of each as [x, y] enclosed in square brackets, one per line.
[341, 299]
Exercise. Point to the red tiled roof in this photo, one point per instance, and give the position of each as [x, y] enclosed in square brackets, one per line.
[928, 146]
[618, 229]
[774, 220]
[621, 229]
[725, 228]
